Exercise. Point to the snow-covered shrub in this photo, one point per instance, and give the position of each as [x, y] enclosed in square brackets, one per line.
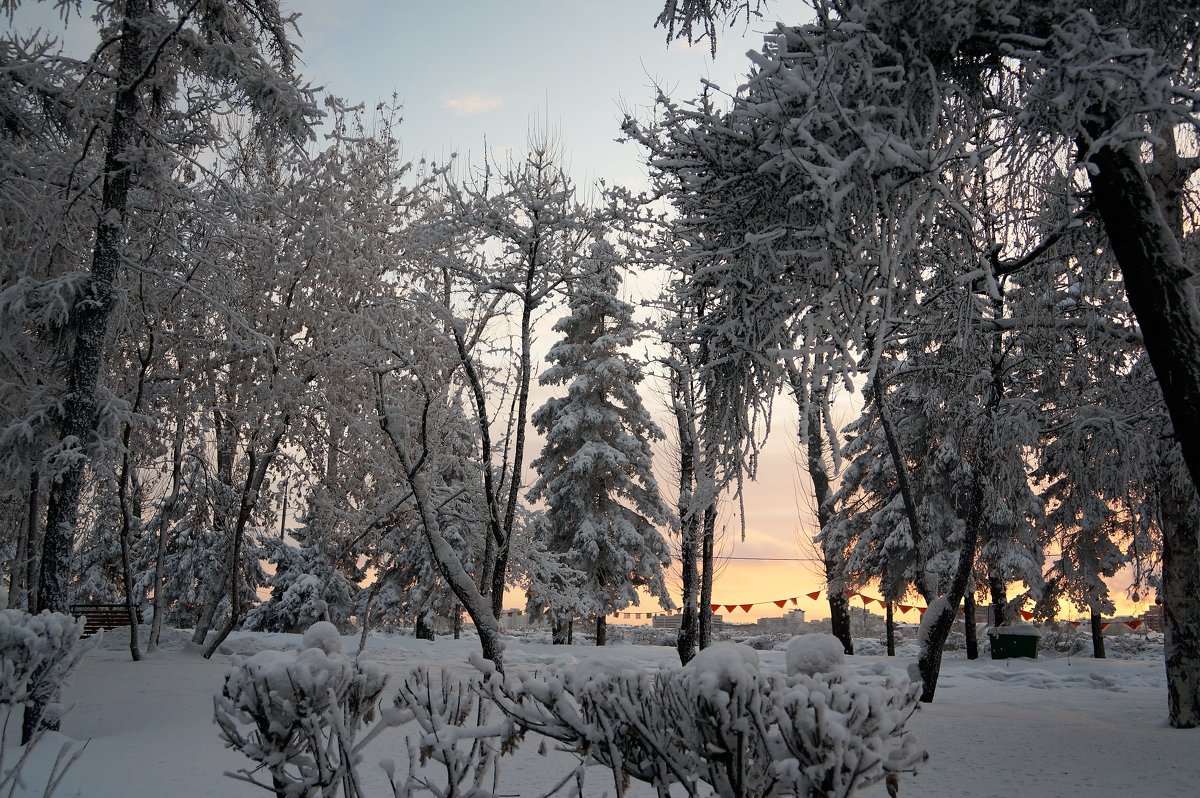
[298, 713]
[448, 711]
[720, 725]
[815, 653]
[37, 654]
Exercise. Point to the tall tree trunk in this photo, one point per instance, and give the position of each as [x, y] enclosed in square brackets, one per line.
[969, 622]
[999, 597]
[890, 623]
[164, 517]
[1097, 635]
[689, 520]
[1181, 597]
[708, 534]
[444, 555]
[90, 316]
[21, 592]
[558, 632]
[833, 558]
[500, 572]
[601, 630]
[1159, 284]
[936, 625]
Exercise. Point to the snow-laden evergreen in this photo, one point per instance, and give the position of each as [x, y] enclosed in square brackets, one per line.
[603, 506]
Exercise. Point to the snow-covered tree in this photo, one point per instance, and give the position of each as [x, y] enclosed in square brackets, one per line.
[595, 474]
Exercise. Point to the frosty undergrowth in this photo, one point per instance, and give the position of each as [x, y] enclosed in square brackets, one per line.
[37, 654]
[719, 726]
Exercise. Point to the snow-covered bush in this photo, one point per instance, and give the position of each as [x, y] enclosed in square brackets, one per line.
[37, 654]
[298, 713]
[720, 725]
[448, 711]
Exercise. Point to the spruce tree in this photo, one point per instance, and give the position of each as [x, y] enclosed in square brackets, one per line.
[595, 474]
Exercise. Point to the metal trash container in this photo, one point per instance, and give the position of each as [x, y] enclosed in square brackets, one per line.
[1014, 641]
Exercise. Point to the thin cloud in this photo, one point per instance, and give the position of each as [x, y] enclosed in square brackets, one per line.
[472, 104]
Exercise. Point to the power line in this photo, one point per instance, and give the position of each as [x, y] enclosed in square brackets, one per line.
[779, 559]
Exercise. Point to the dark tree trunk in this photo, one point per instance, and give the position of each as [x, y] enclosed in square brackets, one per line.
[999, 597]
[1159, 284]
[1181, 599]
[889, 621]
[969, 624]
[423, 631]
[90, 316]
[558, 633]
[458, 623]
[929, 660]
[833, 558]
[1098, 636]
[601, 630]
[689, 527]
[706, 571]
[570, 633]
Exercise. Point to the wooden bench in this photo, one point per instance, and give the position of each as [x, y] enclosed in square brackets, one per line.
[100, 616]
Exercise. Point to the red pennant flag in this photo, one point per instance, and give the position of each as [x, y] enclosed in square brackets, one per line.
[747, 607]
[1133, 624]
[921, 610]
[794, 601]
[816, 594]
[714, 607]
[1103, 626]
[781, 602]
[1027, 615]
[730, 607]
[905, 607]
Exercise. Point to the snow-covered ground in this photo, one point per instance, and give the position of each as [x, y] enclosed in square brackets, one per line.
[1055, 726]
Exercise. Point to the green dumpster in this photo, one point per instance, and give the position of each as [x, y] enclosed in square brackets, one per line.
[1014, 641]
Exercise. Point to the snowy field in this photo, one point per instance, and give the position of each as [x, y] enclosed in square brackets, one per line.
[1056, 726]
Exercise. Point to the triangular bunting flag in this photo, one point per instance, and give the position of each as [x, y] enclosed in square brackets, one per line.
[747, 607]
[816, 594]
[905, 607]
[730, 607]
[1133, 624]
[1027, 615]
[714, 607]
[921, 610]
[794, 601]
[1103, 626]
[781, 602]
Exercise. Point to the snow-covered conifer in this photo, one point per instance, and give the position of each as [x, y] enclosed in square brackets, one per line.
[603, 505]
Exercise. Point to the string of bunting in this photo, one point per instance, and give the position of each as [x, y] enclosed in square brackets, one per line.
[816, 594]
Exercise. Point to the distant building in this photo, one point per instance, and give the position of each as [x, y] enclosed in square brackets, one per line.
[673, 621]
[792, 623]
[1153, 618]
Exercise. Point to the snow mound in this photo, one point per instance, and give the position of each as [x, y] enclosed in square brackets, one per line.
[722, 666]
[814, 653]
[325, 636]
